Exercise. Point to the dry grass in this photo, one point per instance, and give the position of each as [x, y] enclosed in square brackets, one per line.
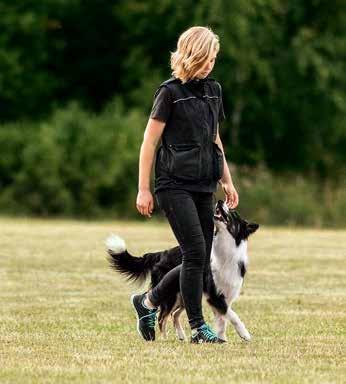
[66, 317]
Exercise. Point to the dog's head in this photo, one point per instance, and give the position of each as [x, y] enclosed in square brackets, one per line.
[226, 219]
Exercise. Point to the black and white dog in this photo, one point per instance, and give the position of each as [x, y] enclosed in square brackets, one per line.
[222, 281]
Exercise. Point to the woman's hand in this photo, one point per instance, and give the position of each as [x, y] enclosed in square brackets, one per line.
[231, 195]
[145, 202]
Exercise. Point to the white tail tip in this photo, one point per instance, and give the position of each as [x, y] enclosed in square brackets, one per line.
[115, 244]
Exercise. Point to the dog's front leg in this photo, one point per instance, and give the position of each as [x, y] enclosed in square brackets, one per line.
[221, 326]
[238, 325]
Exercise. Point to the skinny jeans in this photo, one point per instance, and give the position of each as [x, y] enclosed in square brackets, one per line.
[190, 215]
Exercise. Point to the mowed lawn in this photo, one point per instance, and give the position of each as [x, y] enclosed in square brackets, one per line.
[65, 317]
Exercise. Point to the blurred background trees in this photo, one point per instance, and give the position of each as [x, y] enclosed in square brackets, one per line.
[77, 80]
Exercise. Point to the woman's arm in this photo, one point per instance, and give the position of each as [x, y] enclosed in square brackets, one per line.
[152, 135]
[232, 198]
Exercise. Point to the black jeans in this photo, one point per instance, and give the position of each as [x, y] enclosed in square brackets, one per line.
[190, 215]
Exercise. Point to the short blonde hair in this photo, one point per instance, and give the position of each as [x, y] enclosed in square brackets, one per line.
[194, 47]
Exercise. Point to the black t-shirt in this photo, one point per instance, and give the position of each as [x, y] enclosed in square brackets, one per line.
[163, 103]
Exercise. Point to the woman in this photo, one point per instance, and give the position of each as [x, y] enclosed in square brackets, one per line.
[189, 163]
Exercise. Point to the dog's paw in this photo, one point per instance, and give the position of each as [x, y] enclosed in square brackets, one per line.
[245, 335]
[115, 244]
[223, 338]
[243, 332]
[180, 335]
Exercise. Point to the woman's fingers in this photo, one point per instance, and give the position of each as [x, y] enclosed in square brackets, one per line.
[234, 199]
[145, 203]
[150, 207]
[145, 209]
[140, 208]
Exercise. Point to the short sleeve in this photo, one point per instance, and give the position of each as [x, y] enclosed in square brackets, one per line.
[162, 105]
[221, 116]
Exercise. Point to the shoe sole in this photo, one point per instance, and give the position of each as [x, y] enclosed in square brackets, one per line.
[200, 341]
[138, 330]
[206, 342]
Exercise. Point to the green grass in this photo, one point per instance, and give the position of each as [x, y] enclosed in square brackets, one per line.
[66, 317]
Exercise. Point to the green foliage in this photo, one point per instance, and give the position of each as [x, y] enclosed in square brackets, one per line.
[26, 84]
[289, 198]
[77, 163]
[82, 164]
[281, 65]
[283, 71]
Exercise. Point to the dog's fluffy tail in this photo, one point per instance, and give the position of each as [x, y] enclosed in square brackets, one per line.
[134, 268]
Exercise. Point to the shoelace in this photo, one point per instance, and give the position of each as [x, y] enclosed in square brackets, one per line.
[151, 318]
[207, 332]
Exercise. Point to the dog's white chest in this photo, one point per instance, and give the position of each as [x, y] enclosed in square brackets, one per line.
[226, 259]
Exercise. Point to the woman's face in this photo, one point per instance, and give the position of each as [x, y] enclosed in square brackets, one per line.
[206, 68]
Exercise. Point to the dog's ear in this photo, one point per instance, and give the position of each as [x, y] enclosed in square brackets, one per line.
[251, 228]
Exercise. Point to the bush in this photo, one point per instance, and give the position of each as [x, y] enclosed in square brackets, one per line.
[288, 198]
[85, 165]
[75, 164]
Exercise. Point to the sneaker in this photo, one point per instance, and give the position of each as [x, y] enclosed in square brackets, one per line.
[145, 317]
[204, 334]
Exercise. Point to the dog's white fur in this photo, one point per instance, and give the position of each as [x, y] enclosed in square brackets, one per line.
[225, 256]
[115, 243]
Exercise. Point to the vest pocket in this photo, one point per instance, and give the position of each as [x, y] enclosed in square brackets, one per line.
[217, 162]
[184, 161]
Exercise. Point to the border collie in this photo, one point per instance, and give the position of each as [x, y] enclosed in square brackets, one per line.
[222, 281]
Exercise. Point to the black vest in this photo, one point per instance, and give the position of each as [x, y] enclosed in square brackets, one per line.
[188, 157]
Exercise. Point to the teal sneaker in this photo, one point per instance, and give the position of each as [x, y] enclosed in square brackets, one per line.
[204, 334]
[145, 317]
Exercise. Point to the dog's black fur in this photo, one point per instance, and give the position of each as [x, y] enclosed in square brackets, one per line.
[159, 263]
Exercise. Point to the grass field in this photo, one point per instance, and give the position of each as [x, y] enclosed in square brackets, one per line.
[66, 317]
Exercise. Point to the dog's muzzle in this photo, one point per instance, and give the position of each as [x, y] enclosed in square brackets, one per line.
[221, 211]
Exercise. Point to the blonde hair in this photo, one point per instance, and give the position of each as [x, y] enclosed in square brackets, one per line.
[194, 48]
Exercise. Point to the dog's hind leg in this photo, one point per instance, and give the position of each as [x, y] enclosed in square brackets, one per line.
[238, 325]
[163, 327]
[177, 324]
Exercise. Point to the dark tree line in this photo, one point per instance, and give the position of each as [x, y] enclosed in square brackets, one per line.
[281, 65]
